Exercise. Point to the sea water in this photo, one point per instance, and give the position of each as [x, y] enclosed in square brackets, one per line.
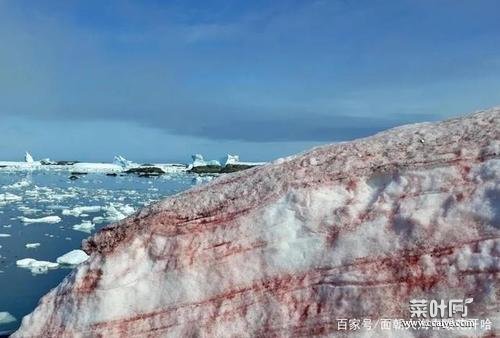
[38, 194]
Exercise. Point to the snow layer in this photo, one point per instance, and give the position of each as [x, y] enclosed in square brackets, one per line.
[351, 230]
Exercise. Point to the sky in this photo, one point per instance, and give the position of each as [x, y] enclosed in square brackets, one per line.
[161, 80]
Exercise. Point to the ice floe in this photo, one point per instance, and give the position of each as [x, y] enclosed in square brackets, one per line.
[46, 219]
[6, 318]
[73, 257]
[8, 198]
[32, 245]
[36, 266]
[85, 226]
[17, 185]
[4, 235]
[78, 211]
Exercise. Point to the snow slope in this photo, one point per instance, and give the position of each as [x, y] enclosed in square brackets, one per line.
[351, 230]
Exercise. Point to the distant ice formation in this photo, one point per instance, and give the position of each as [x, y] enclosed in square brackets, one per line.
[123, 162]
[230, 159]
[28, 158]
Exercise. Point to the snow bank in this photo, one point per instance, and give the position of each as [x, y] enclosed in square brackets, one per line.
[74, 257]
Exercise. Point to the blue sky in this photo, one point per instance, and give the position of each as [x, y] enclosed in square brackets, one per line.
[159, 80]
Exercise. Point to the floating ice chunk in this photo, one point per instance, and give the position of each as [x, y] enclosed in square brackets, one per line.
[18, 185]
[98, 219]
[85, 226]
[73, 257]
[78, 211]
[32, 245]
[36, 266]
[47, 219]
[28, 158]
[4, 235]
[8, 197]
[116, 212]
[6, 318]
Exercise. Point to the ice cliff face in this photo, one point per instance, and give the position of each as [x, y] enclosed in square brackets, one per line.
[345, 231]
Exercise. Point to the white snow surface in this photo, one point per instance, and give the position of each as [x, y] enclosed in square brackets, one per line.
[351, 230]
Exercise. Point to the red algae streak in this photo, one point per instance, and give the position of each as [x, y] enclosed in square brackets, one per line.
[347, 231]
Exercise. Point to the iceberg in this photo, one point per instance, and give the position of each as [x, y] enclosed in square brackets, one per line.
[28, 158]
[73, 257]
[123, 162]
[230, 159]
[198, 160]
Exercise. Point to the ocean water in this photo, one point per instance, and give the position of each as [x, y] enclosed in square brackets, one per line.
[49, 193]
